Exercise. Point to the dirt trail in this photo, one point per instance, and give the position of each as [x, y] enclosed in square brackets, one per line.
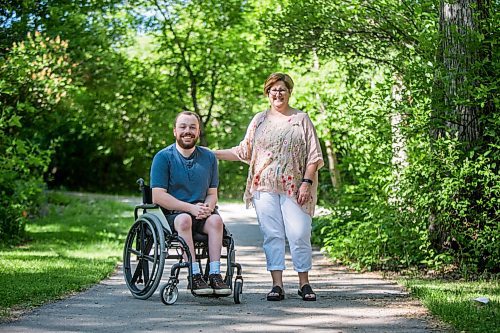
[347, 301]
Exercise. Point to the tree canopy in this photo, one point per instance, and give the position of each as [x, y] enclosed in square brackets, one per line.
[404, 95]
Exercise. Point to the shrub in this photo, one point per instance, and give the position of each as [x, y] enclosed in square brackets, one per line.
[34, 79]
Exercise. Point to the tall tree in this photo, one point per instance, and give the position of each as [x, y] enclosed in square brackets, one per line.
[203, 45]
[459, 54]
[333, 165]
[381, 33]
[416, 43]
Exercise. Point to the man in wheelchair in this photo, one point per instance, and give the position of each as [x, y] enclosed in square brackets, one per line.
[184, 181]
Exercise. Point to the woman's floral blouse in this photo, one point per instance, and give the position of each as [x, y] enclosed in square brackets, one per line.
[278, 152]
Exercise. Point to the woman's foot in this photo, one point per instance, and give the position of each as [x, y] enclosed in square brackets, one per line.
[276, 294]
[307, 293]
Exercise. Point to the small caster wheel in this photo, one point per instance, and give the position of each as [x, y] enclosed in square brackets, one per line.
[169, 294]
[238, 291]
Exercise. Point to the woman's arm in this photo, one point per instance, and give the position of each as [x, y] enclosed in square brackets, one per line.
[242, 152]
[226, 155]
[311, 170]
[305, 187]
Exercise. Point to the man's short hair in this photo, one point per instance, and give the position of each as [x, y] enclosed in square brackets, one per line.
[187, 113]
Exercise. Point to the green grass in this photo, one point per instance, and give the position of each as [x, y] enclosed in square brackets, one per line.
[77, 244]
[452, 302]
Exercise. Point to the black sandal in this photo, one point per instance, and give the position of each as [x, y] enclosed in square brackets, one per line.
[307, 290]
[276, 294]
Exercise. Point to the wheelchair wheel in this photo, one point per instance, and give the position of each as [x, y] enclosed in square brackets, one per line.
[238, 291]
[144, 256]
[169, 294]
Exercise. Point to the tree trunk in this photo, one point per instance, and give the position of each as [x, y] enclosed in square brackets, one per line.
[330, 152]
[332, 164]
[458, 56]
[459, 115]
[399, 153]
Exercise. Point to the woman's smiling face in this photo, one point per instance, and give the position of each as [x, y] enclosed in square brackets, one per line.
[279, 95]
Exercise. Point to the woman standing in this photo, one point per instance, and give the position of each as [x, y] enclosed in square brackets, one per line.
[284, 155]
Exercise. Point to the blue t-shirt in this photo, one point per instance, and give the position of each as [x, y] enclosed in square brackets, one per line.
[187, 179]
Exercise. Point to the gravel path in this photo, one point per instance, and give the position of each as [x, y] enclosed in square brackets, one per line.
[347, 301]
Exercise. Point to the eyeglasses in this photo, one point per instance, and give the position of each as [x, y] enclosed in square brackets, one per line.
[276, 92]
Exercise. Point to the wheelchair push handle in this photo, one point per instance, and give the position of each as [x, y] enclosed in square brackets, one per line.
[141, 183]
[147, 197]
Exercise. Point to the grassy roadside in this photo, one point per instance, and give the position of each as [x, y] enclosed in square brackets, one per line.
[74, 246]
[79, 242]
[453, 302]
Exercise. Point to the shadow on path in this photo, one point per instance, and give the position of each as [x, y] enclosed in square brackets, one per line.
[347, 301]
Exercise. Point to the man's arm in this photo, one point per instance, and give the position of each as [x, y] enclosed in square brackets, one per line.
[211, 199]
[164, 199]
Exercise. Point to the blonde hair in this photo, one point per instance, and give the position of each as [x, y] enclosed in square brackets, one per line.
[276, 77]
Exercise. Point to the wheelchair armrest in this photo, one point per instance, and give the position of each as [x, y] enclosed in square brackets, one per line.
[147, 206]
[144, 207]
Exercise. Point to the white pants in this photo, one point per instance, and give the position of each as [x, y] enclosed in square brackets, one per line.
[278, 216]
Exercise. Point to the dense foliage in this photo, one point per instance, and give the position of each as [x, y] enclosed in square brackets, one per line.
[415, 127]
[404, 95]
[36, 77]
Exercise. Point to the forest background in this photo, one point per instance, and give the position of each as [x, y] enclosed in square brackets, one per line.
[404, 96]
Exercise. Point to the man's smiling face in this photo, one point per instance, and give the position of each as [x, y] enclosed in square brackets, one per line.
[187, 131]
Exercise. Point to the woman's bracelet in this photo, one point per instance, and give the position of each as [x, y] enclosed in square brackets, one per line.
[307, 180]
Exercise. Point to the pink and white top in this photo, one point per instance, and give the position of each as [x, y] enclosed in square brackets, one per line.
[278, 152]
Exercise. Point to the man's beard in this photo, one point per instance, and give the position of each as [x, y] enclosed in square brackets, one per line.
[186, 145]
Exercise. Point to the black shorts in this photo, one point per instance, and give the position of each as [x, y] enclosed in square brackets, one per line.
[197, 225]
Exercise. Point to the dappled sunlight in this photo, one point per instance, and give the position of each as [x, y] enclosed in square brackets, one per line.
[347, 301]
[125, 214]
[401, 95]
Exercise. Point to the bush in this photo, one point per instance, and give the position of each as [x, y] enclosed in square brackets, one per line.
[21, 167]
[454, 197]
[34, 79]
[447, 214]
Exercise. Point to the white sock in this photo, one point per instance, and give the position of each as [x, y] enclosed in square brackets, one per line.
[195, 268]
[214, 267]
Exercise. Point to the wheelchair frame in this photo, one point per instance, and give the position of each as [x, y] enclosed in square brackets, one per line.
[151, 242]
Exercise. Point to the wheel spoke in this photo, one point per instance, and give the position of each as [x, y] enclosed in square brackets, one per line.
[134, 251]
[145, 271]
[142, 268]
[149, 258]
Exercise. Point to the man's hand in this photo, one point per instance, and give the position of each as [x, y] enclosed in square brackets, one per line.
[201, 211]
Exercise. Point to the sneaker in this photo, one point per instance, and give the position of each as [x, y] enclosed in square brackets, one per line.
[218, 285]
[200, 287]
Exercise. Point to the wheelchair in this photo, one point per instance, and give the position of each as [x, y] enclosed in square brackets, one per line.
[150, 243]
